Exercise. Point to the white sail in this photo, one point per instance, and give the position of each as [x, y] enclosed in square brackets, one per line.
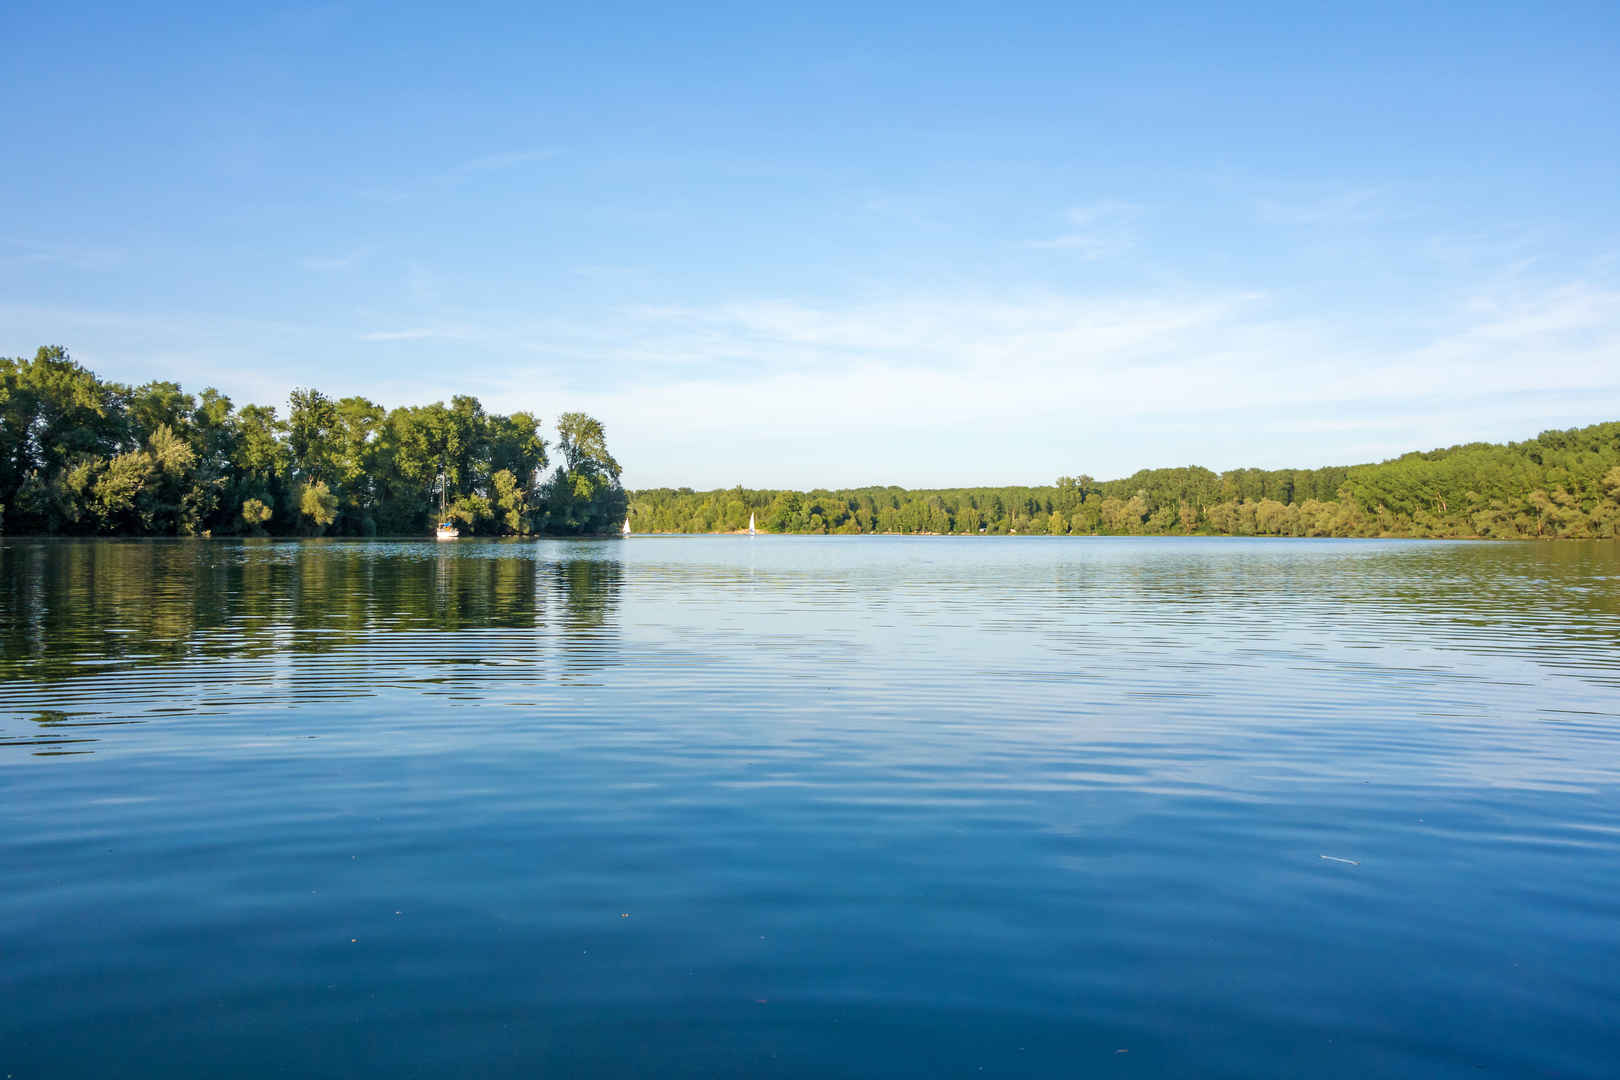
[750, 524]
[626, 529]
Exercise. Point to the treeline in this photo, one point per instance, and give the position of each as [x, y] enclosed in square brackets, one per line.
[82, 455]
[1559, 484]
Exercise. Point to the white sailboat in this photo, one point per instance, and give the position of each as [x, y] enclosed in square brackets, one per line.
[626, 529]
[750, 524]
[447, 529]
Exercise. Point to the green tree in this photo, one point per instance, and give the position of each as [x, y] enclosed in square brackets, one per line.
[312, 436]
[157, 405]
[120, 492]
[317, 507]
[356, 462]
[786, 513]
[584, 495]
[54, 416]
[255, 514]
[510, 503]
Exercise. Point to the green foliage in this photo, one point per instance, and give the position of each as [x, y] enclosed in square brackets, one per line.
[1560, 484]
[517, 447]
[53, 414]
[81, 455]
[471, 510]
[584, 495]
[510, 502]
[312, 434]
[255, 513]
[158, 405]
[317, 506]
[118, 489]
[786, 513]
[583, 443]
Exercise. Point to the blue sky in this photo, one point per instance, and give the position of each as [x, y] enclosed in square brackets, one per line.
[926, 245]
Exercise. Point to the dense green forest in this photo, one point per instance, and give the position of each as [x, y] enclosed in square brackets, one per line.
[82, 455]
[1559, 484]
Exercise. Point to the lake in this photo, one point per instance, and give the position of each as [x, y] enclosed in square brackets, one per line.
[795, 806]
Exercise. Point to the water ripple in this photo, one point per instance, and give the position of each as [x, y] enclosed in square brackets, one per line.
[810, 806]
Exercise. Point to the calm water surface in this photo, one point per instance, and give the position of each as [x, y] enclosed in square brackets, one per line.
[809, 807]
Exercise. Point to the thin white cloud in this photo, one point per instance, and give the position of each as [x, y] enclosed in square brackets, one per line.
[935, 389]
[417, 334]
[935, 385]
[331, 264]
[77, 256]
[922, 332]
[914, 211]
[1354, 206]
[397, 191]
[1096, 231]
[1512, 249]
[494, 162]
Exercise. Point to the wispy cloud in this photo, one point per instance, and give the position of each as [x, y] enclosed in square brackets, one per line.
[934, 388]
[1336, 208]
[1510, 251]
[913, 211]
[1096, 231]
[494, 162]
[1085, 381]
[197, 348]
[418, 334]
[76, 256]
[332, 264]
[931, 332]
[396, 191]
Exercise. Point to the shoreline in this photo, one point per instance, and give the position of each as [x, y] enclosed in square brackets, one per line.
[1449, 537]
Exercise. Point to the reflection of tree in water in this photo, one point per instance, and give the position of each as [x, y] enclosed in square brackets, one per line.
[1563, 597]
[587, 636]
[590, 590]
[478, 592]
[71, 609]
[68, 601]
[71, 605]
[95, 634]
[343, 593]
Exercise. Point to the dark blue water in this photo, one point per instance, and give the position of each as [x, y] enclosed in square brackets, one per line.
[810, 807]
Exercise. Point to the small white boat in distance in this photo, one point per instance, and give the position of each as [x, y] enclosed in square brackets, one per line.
[626, 529]
[750, 524]
[447, 529]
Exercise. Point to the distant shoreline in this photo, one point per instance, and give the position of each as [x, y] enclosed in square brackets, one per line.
[80, 455]
[1559, 485]
[518, 539]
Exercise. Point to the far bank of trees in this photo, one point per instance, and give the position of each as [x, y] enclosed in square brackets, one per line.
[82, 455]
[1559, 484]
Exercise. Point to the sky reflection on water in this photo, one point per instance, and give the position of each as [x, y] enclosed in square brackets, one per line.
[872, 806]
